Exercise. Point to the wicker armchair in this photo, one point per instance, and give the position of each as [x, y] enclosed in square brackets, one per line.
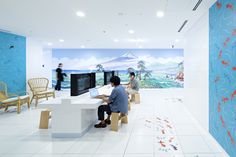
[7, 99]
[40, 90]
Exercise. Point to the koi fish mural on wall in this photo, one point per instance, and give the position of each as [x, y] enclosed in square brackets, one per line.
[222, 79]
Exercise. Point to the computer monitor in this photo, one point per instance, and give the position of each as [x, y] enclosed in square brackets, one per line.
[99, 79]
[81, 83]
[107, 76]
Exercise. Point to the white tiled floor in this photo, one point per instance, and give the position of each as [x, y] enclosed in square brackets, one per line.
[160, 126]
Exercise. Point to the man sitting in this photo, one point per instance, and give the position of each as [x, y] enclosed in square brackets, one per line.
[133, 86]
[117, 102]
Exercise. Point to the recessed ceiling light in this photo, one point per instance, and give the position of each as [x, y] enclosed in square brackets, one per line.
[160, 14]
[140, 47]
[131, 31]
[80, 14]
[82, 46]
[176, 40]
[61, 40]
[116, 40]
[49, 44]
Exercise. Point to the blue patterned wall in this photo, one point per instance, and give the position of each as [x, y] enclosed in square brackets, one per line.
[13, 61]
[222, 105]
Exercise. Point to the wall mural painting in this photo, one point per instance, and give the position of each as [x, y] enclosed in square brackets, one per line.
[154, 68]
[222, 105]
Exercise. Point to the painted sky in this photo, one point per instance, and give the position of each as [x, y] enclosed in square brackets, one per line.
[89, 58]
[100, 53]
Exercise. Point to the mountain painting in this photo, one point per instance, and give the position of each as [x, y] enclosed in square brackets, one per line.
[154, 68]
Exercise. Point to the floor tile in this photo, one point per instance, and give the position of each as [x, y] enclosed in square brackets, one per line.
[193, 144]
[140, 144]
[112, 147]
[138, 155]
[84, 147]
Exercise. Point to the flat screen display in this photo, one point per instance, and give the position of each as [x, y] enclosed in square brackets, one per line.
[99, 79]
[81, 83]
[107, 77]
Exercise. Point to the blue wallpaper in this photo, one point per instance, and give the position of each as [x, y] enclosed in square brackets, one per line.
[13, 61]
[222, 105]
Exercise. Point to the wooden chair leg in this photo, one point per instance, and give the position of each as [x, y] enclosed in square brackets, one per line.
[132, 98]
[137, 98]
[54, 95]
[32, 99]
[44, 119]
[6, 108]
[18, 106]
[36, 101]
[114, 121]
[46, 96]
[28, 103]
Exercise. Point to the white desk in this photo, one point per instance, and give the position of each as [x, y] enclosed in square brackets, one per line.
[73, 116]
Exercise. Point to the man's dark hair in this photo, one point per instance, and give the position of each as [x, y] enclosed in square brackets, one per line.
[59, 64]
[132, 74]
[115, 80]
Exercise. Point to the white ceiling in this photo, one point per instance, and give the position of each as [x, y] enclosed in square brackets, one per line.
[104, 21]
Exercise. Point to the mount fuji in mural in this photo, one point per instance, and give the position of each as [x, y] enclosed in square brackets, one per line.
[119, 63]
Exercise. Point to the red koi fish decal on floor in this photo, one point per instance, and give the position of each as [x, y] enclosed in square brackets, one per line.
[166, 121]
[169, 126]
[234, 68]
[226, 41]
[219, 5]
[219, 108]
[220, 54]
[162, 144]
[224, 99]
[233, 95]
[230, 136]
[148, 121]
[171, 139]
[225, 63]
[229, 6]
[163, 131]
[222, 121]
[217, 79]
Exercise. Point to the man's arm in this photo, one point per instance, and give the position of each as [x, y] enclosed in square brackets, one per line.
[105, 99]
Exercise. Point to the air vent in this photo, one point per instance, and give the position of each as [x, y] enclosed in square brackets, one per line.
[197, 5]
[185, 22]
[3, 30]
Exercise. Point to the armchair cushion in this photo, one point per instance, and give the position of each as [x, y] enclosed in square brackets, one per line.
[13, 99]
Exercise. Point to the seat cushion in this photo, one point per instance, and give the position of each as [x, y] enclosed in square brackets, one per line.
[13, 99]
[10, 100]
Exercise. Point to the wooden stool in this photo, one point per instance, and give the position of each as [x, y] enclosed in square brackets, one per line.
[129, 105]
[44, 119]
[136, 98]
[115, 117]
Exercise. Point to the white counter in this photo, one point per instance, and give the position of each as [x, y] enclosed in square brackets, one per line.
[73, 116]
